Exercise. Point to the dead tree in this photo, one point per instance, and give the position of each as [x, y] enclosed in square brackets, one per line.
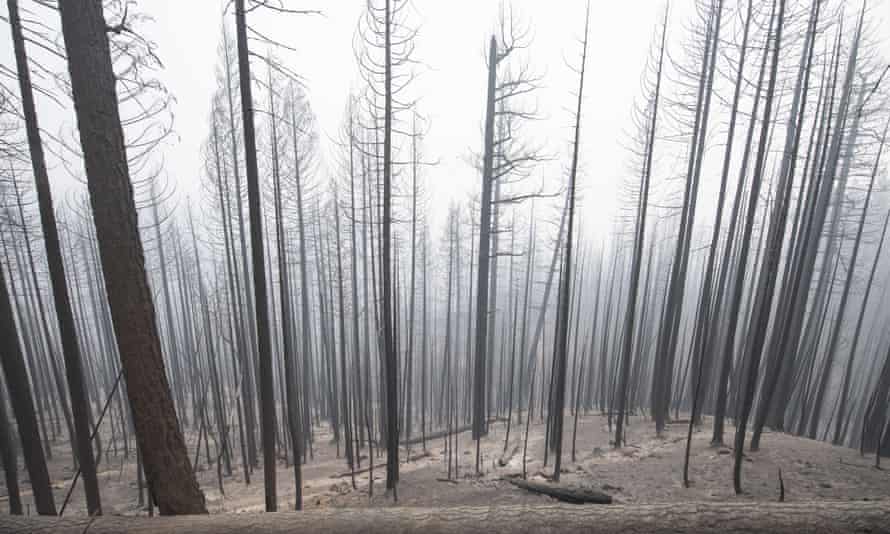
[724, 347]
[23, 405]
[841, 417]
[505, 158]
[167, 466]
[668, 338]
[827, 184]
[782, 205]
[264, 339]
[8, 453]
[384, 54]
[561, 366]
[865, 300]
[65, 316]
[763, 299]
[648, 126]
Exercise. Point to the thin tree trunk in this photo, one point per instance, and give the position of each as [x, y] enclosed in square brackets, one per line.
[65, 316]
[267, 393]
[764, 297]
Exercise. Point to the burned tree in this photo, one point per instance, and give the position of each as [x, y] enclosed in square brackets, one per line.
[168, 470]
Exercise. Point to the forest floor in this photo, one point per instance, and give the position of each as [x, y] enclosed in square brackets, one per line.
[647, 470]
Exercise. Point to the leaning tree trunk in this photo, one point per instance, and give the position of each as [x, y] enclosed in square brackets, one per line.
[724, 346]
[637, 258]
[787, 168]
[10, 462]
[67, 331]
[862, 310]
[766, 283]
[666, 349]
[158, 434]
[710, 319]
[563, 326]
[829, 179]
[16, 372]
[845, 387]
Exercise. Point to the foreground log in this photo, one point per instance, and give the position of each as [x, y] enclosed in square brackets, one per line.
[569, 494]
[707, 517]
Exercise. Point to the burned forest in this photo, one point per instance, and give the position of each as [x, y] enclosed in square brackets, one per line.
[416, 266]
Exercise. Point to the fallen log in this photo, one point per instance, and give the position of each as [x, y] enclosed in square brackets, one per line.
[707, 517]
[569, 494]
[445, 432]
[434, 435]
[412, 458]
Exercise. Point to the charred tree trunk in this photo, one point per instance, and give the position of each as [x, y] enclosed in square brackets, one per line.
[480, 357]
[563, 326]
[766, 283]
[264, 343]
[158, 435]
[23, 407]
[67, 331]
[637, 258]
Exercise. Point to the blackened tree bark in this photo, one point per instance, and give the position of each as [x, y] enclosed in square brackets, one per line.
[563, 325]
[390, 357]
[13, 362]
[841, 417]
[725, 346]
[768, 267]
[344, 383]
[479, 360]
[246, 327]
[706, 329]
[305, 320]
[669, 334]
[787, 168]
[264, 344]
[158, 434]
[639, 238]
[71, 350]
[829, 179]
[865, 300]
[10, 462]
[290, 389]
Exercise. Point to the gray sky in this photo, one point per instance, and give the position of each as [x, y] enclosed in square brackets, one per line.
[451, 80]
[451, 45]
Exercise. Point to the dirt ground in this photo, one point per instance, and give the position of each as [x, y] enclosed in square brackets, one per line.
[647, 470]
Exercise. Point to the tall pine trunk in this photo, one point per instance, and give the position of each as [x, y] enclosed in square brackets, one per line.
[264, 342]
[158, 434]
